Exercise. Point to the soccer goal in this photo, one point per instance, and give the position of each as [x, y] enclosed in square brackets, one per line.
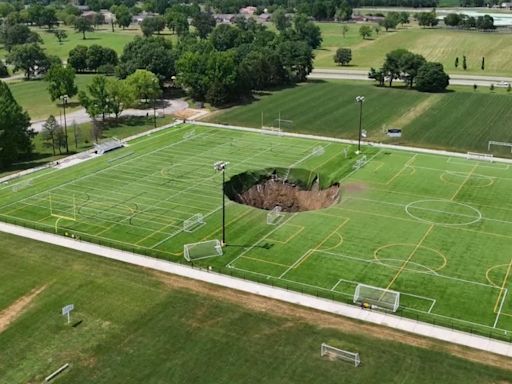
[271, 131]
[21, 185]
[499, 144]
[480, 156]
[275, 215]
[361, 162]
[194, 222]
[340, 354]
[378, 298]
[202, 250]
[282, 124]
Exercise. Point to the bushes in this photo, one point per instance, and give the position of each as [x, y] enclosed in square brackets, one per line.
[83, 59]
[4, 72]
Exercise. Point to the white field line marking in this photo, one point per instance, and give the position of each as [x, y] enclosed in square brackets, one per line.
[464, 182]
[485, 165]
[308, 252]
[102, 170]
[335, 285]
[501, 307]
[307, 156]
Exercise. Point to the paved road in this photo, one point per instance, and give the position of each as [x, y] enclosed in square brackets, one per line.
[345, 74]
[79, 117]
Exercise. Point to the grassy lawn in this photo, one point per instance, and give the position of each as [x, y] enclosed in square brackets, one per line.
[441, 45]
[434, 228]
[33, 96]
[136, 327]
[328, 108]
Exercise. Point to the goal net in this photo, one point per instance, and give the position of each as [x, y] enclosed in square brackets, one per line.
[63, 206]
[202, 250]
[377, 297]
[194, 222]
[479, 156]
[499, 144]
[282, 124]
[271, 131]
[275, 215]
[340, 354]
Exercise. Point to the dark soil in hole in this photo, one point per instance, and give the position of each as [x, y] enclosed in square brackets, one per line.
[271, 188]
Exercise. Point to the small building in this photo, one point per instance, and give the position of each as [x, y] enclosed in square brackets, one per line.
[141, 16]
[265, 17]
[89, 15]
[250, 10]
[224, 18]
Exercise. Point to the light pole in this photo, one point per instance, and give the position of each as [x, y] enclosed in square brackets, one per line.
[220, 166]
[64, 99]
[360, 100]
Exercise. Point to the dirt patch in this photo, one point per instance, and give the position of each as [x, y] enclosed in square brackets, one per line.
[12, 312]
[326, 320]
[292, 190]
[187, 113]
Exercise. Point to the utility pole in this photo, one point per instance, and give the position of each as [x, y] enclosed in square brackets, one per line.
[360, 100]
[220, 166]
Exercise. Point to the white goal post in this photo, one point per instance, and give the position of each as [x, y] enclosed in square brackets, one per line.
[275, 215]
[375, 297]
[499, 144]
[327, 350]
[271, 131]
[202, 250]
[194, 222]
[479, 156]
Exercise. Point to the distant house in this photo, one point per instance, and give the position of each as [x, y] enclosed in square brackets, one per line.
[506, 5]
[89, 15]
[265, 17]
[248, 10]
[109, 16]
[83, 8]
[224, 18]
[141, 16]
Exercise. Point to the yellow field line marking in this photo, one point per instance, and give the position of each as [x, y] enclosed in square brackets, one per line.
[503, 286]
[406, 165]
[264, 261]
[464, 182]
[160, 230]
[410, 256]
[321, 243]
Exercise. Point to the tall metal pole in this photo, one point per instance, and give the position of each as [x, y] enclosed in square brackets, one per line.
[360, 125]
[64, 102]
[223, 207]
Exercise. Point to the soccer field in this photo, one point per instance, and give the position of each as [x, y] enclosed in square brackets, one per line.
[436, 229]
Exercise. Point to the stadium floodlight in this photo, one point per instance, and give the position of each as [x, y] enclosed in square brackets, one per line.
[360, 100]
[220, 166]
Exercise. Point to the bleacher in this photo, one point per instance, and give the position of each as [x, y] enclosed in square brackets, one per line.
[108, 146]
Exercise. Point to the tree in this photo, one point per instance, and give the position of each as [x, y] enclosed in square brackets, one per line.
[307, 31]
[432, 78]
[83, 25]
[50, 133]
[475, 87]
[99, 18]
[224, 37]
[491, 87]
[145, 85]
[452, 20]
[391, 21]
[154, 54]
[427, 19]
[18, 34]
[377, 75]
[457, 62]
[15, 132]
[365, 31]
[204, 23]
[78, 58]
[509, 88]
[61, 81]
[48, 17]
[121, 95]
[98, 56]
[123, 16]
[177, 22]
[60, 35]
[343, 56]
[344, 12]
[482, 66]
[29, 58]
[280, 20]
[344, 30]
[392, 65]
[97, 102]
[410, 63]
[297, 59]
[4, 72]
[377, 29]
[403, 18]
[464, 63]
[150, 25]
[485, 23]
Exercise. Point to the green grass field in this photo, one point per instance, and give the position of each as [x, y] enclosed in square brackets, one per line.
[33, 96]
[139, 327]
[435, 228]
[459, 120]
[440, 45]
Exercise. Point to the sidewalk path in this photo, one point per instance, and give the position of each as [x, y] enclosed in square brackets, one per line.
[81, 116]
[351, 311]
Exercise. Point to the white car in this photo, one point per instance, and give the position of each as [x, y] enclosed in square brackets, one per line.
[503, 84]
